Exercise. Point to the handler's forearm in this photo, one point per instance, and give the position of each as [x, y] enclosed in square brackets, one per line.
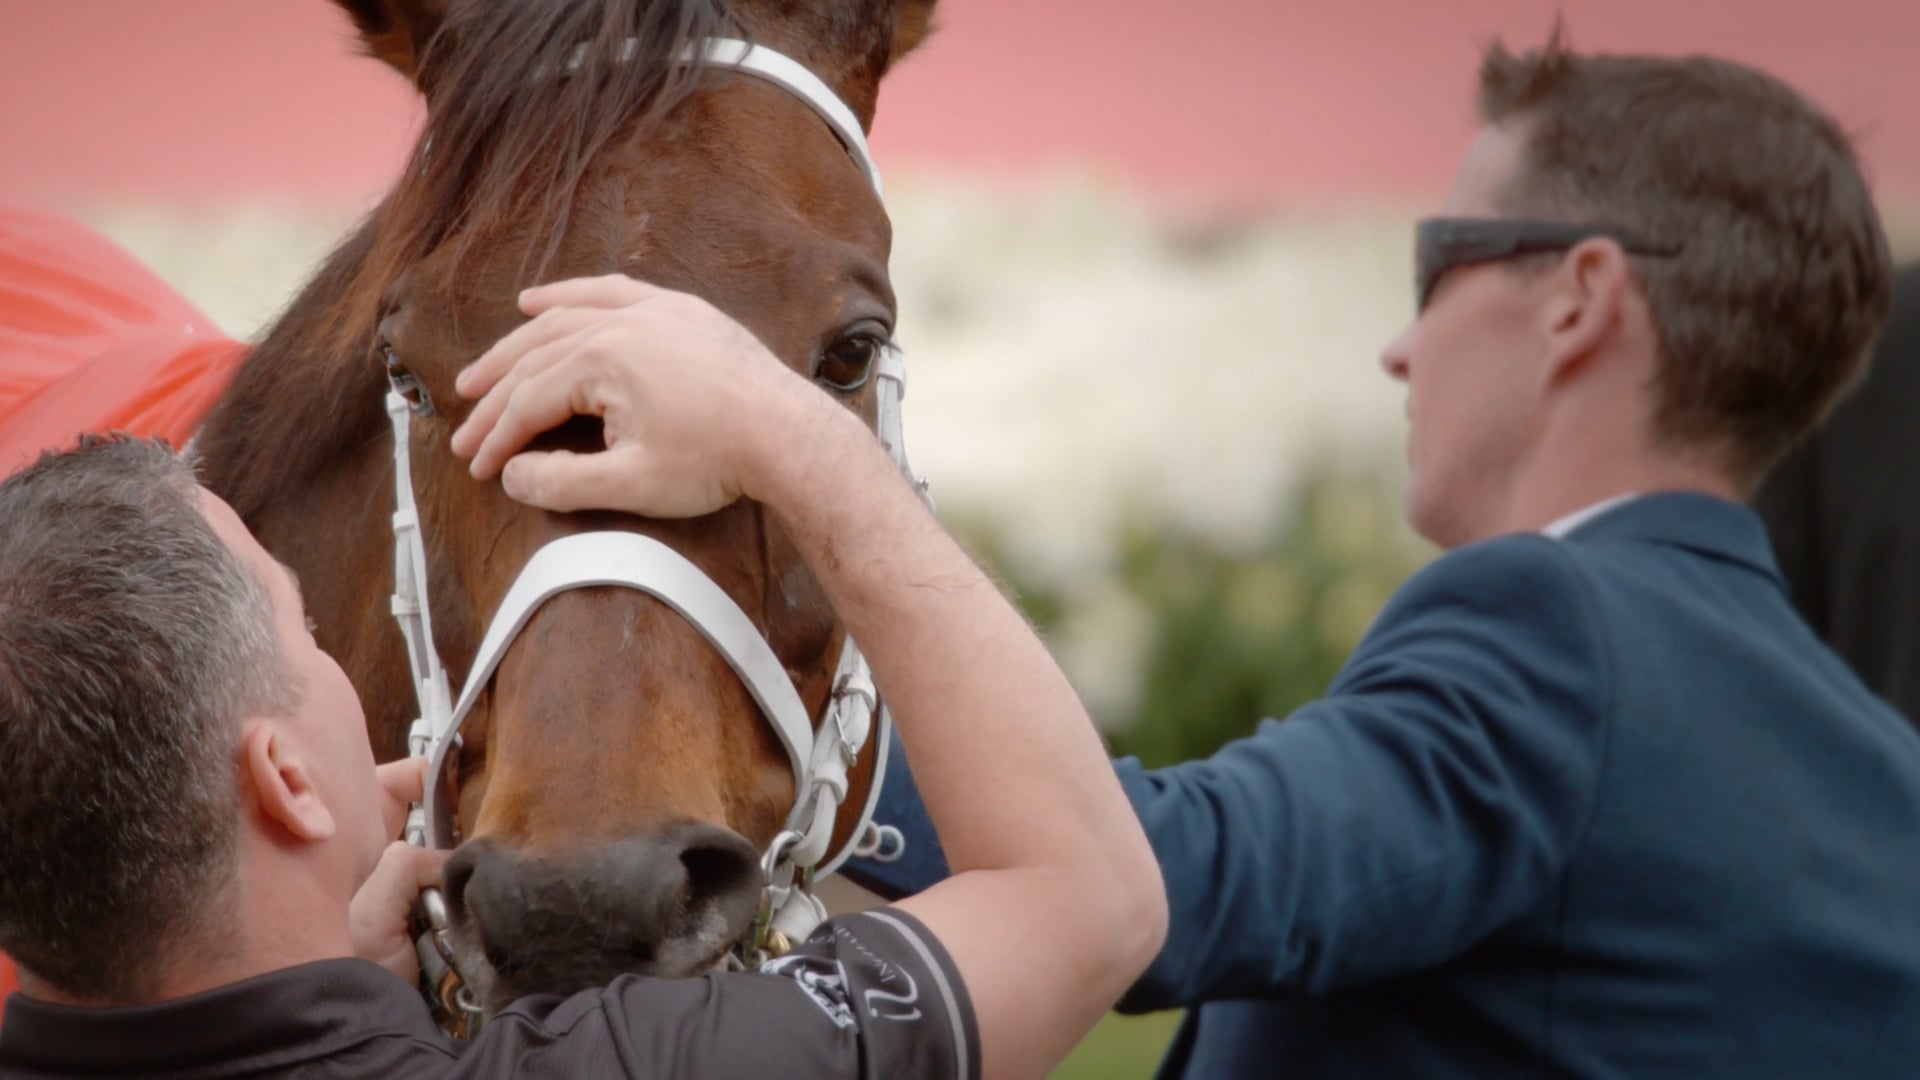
[1010, 766]
[1056, 902]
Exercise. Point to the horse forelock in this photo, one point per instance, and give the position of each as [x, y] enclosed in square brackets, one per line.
[305, 375]
[522, 97]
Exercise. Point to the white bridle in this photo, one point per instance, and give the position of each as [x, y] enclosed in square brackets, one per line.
[820, 755]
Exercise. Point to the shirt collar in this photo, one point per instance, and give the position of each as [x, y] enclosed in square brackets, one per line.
[263, 1024]
[1559, 529]
[1707, 524]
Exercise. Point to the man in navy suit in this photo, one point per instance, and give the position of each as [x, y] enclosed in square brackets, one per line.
[1589, 799]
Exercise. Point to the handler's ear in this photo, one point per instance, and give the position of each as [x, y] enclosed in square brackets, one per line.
[281, 783]
[397, 31]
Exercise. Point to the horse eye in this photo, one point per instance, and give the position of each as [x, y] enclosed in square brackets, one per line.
[406, 383]
[847, 363]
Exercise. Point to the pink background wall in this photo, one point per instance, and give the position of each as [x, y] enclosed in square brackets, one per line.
[1256, 101]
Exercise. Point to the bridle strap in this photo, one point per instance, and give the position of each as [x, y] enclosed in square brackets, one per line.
[409, 603]
[633, 561]
[777, 68]
[793, 77]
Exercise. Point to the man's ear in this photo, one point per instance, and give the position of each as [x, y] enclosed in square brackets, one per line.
[1587, 302]
[397, 31]
[282, 783]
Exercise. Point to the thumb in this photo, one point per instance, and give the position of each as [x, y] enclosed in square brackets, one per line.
[403, 782]
[564, 481]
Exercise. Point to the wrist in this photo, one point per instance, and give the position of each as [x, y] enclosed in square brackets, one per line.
[799, 434]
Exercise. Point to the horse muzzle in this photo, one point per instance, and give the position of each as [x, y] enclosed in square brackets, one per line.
[672, 902]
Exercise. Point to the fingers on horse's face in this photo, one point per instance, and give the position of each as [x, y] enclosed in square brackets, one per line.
[619, 781]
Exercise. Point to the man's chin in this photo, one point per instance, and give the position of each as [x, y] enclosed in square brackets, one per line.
[1435, 518]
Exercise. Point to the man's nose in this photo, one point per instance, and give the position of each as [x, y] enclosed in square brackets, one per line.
[1394, 358]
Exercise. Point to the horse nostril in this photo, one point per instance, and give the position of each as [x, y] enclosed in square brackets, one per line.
[484, 892]
[709, 894]
[455, 876]
[718, 867]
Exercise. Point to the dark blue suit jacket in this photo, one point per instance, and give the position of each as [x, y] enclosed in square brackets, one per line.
[1600, 806]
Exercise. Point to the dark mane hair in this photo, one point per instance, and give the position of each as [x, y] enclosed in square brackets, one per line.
[521, 99]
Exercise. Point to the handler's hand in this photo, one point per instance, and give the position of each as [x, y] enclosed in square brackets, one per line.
[402, 783]
[377, 920]
[685, 395]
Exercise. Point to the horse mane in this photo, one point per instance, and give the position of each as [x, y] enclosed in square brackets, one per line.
[521, 97]
[296, 380]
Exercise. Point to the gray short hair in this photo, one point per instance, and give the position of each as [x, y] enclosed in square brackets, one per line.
[132, 642]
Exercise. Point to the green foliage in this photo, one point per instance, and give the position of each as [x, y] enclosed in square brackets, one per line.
[1121, 1048]
[1238, 635]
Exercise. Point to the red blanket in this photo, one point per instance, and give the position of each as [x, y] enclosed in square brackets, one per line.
[90, 340]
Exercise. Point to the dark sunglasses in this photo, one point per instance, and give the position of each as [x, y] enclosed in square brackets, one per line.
[1441, 244]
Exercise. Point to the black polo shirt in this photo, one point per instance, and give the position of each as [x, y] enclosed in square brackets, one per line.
[869, 995]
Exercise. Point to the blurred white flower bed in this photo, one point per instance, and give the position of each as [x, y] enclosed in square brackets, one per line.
[1075, 359]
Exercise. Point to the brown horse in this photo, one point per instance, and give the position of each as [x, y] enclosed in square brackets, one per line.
[617, 779]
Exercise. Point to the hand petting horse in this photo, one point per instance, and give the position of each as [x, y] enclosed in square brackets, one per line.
[619, 784]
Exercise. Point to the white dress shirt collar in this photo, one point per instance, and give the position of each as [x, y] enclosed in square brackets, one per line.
[1559, 529]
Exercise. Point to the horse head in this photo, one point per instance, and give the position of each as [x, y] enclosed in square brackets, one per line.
[616, 779]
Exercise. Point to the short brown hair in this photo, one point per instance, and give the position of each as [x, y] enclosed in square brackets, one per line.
[1767, 314]
[132, 643]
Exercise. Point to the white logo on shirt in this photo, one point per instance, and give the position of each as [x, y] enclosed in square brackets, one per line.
[896, 1005]
[823, 980]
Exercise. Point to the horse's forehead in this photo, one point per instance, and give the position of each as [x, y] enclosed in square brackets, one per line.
[742, 194]
[744, 151]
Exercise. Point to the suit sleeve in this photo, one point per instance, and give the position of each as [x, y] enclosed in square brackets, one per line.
[920, 862]
[1434, 794]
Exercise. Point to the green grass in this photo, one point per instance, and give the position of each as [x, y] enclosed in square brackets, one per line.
[1121, 1048]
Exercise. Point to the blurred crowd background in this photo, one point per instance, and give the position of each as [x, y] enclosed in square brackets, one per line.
[1146, 256]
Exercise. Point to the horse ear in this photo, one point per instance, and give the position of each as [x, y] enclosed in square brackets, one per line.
[396, 31]
[912, 22]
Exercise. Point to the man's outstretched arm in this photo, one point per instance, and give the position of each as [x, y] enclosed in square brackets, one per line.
[1435, 791]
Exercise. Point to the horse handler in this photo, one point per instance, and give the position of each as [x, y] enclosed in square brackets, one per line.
[194, 840]
[1590, 799]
